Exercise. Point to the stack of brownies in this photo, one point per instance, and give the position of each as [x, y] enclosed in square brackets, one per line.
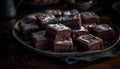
[66, 31]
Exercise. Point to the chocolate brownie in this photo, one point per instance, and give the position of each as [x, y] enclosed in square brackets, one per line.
[89, 42]
[74, 21]
[27, 28]
[45, 19]
[39, 41]
[79, 32]
[56, 13]
[63, 46]
[57, 30]
[90, 17]
[103, 31]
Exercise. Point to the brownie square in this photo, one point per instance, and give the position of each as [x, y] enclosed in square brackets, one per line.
[89, 42]
[64, 46]
[90, 17]
[57, 30]
[54, 12]
[79, 32]
[45, 19]
[38, 40]
[104, 31]
[27, 28]
[73, 21]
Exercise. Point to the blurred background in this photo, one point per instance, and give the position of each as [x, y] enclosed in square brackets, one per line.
[10, 7]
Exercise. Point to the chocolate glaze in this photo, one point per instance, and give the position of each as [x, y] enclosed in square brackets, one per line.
[39, 35]
[59, 27]
[102, 27]
[89, 39]
[46, 18]
[88, 15]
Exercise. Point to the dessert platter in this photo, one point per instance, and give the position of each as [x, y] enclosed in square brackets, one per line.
[68, 34]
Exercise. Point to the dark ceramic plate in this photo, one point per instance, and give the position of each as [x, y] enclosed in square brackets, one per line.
[69, 55]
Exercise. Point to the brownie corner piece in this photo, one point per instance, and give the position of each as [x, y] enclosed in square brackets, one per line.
[57, 30]
[79, 32]
[27, 28]
[104, 31]
[38, 40]
[90, 17]
[64, 46]
[43, 19]
[73, 21]
[89, 42]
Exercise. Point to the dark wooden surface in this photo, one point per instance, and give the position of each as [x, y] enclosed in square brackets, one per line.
[14, 56]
